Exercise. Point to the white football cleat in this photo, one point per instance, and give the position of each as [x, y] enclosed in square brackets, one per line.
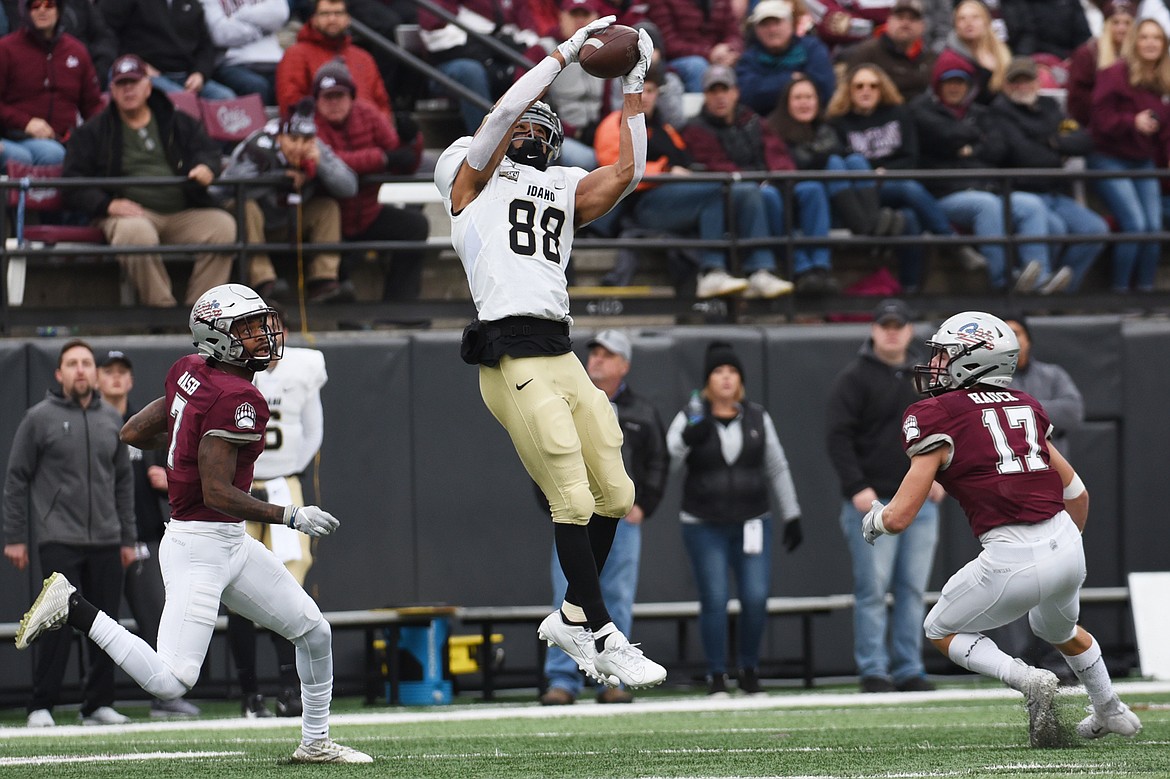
[1040, 694]
[40, 718]
[326, 750]
[576, 641]
[1122, 721]
[48, 612]
[104, 715]
[624, 661]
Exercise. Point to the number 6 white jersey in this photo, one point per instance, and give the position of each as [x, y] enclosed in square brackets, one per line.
[515, 237]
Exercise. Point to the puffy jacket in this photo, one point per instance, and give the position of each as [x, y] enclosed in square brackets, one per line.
[1040, 136]
[368, 142]
[747, 143]
[95, 151]
[294, 74]
[69, 476]
[762, 75]
[1045, 26]
[51, 79]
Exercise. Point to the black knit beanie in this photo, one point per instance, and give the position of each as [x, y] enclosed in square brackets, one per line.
[721, 353]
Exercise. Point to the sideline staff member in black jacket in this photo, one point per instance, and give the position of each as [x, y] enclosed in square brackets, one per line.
[865, 444]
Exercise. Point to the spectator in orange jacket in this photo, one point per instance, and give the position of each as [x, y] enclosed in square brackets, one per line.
[326, 37]
[368, 142]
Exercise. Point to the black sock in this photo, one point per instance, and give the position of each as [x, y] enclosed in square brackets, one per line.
[576, 557]
[82, 613]
[601, 533]
[241, 635]
[286, 660]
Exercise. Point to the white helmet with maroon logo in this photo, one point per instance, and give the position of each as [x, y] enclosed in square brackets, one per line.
[225, 316]
[968, 349]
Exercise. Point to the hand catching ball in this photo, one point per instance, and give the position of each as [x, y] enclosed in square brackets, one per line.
[611, 52]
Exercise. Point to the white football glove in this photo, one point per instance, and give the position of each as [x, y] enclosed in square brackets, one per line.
[633, 81]
[871, 525]
[572, 47]
[310, 520]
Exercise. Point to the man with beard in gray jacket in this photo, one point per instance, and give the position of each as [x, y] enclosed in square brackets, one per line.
[69, 483]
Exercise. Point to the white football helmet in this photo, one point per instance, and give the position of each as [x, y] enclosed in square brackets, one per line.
[535, 150]
[224, 316]
[968, 349]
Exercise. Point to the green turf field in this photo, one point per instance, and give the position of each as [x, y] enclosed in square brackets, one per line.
[966, 730]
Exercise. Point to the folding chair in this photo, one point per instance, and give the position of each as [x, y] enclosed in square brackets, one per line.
[46, 200]
[231, 121]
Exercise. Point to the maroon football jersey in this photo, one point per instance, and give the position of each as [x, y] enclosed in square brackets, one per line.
[207, 401]
[999, 469]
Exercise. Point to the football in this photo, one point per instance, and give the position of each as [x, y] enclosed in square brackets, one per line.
[611, 52]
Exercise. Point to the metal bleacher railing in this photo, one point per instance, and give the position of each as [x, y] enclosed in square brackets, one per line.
[111, 314]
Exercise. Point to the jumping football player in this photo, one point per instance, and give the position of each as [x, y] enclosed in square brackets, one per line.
[212, 422]
[987, 444]
[512, 224]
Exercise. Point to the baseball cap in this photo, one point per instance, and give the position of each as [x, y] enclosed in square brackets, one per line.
[892, 310]
[1114, 7]
[333, 77]
[581, 5]
[615, 341]
[128, 67]
[770, 9]
[1020, 67]
[113, 356]
[718, 75]
[909, 7]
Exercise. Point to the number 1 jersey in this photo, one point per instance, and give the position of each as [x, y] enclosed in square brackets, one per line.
[203, 401]
[515, 237]
[999, 467]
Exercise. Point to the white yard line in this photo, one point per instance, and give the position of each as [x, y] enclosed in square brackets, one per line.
[59, 759]
[533, 711]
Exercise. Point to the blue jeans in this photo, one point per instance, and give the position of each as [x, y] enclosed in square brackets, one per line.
[173, 82]
[1068, 217]
[690, 205]
[907, 193]
[691, 69]
[619, 586]
[982, 213]
[1137, 204]
[32, 151]
[852, 161]
[899, 565]
[244, 81]
[716, 551]
[473, 75]
[812, 212]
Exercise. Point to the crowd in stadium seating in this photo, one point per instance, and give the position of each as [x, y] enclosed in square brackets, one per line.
[775, 85]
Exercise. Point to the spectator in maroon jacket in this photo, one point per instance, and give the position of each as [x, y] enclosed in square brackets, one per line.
[698, 34]
[47, 81]
[1097, 54]
[1130, 122]
[368, 142]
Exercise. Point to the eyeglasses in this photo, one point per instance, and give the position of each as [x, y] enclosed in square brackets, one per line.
[860, 85]
[144, 136]
[37, 5]
[327, 14]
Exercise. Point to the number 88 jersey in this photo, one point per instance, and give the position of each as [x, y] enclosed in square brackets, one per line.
[514, 239]
[998, 468]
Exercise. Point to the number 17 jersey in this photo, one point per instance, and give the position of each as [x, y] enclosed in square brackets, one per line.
[514, 239]
[998, 468]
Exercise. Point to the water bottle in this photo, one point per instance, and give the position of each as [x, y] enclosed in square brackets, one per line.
[695, 410]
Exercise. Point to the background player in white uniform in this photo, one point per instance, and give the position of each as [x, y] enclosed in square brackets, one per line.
[513, 221]
[212, 422]
[292, 388]
[988, 446]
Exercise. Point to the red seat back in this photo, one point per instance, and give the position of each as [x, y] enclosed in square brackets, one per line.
[187, 102]
[38, 198]
[231, 121]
